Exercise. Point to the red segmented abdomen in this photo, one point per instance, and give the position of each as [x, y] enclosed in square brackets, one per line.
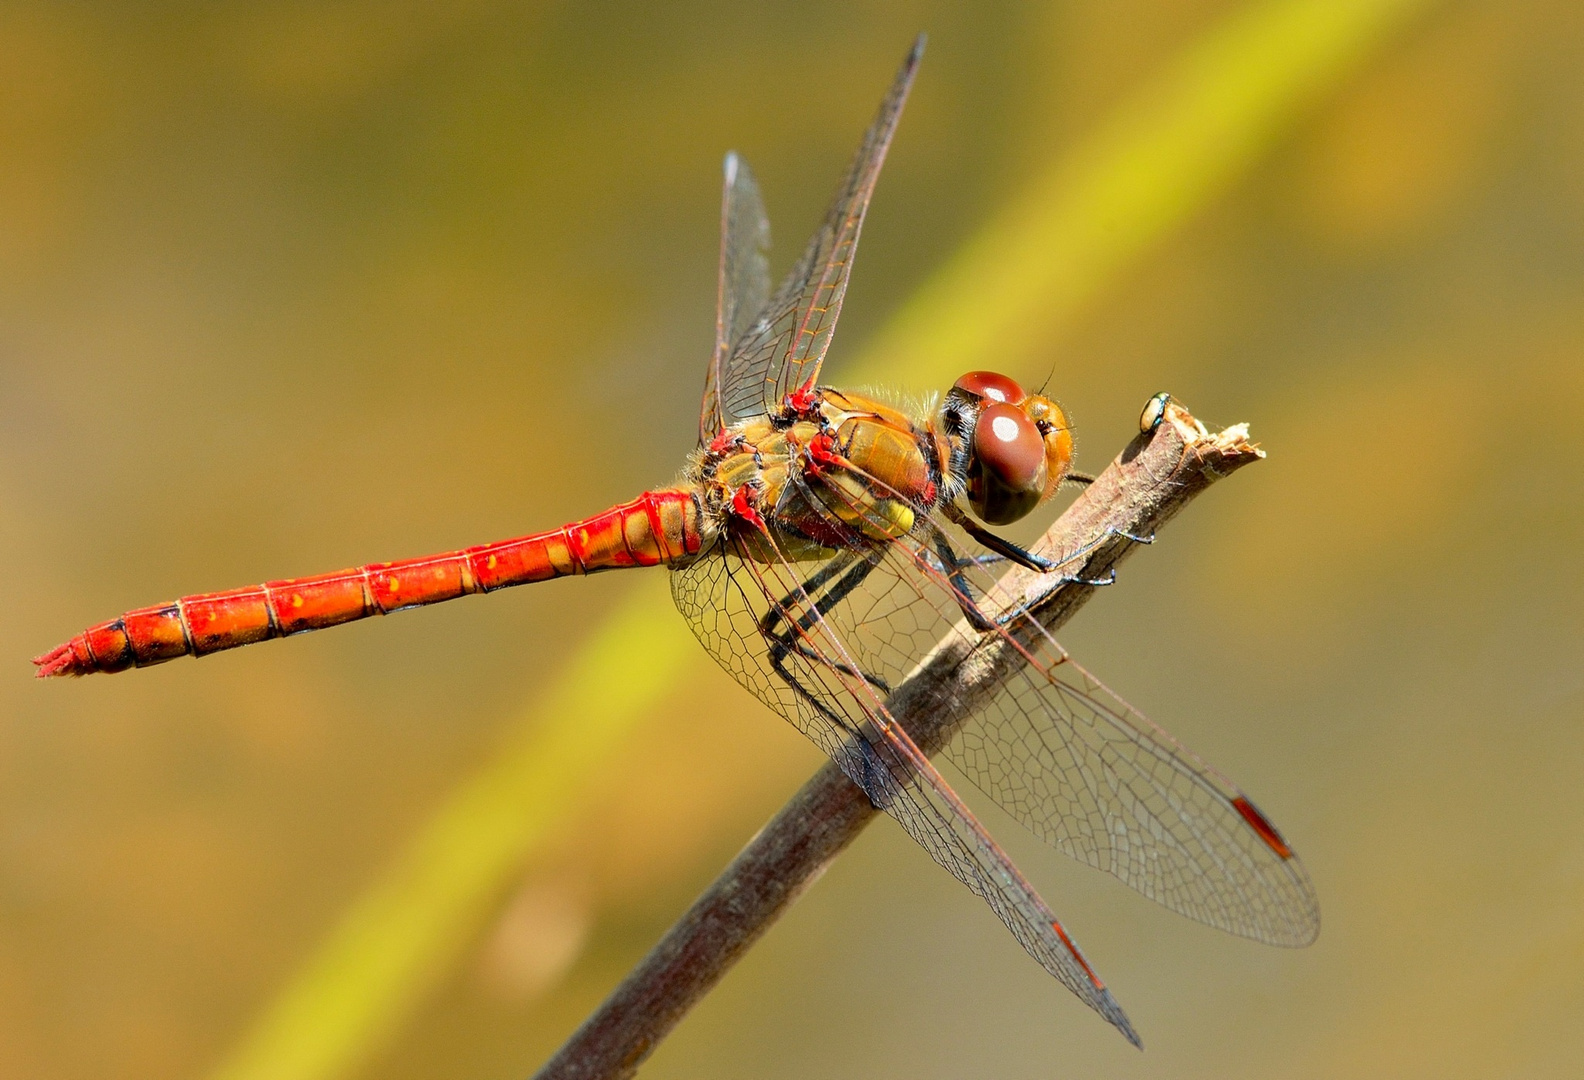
[657, 528]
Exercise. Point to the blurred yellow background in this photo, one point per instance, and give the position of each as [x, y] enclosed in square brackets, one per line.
[290, 287]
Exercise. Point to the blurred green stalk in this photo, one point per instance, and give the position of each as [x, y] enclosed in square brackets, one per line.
[1176, 144]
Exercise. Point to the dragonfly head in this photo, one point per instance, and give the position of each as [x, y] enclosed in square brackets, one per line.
[1014, 447]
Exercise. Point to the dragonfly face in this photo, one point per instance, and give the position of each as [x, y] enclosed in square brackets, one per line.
[1010, 449]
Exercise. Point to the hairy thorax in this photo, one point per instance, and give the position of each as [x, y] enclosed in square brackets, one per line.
[829, 471]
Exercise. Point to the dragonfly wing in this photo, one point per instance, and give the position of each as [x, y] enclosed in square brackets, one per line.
[743, 287]
[777, 631]
[1072, 761]
[783, 347]
[1090, 775]
[1077, 765]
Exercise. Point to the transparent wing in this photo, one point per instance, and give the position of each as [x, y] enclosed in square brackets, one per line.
[743, 287]
[781, 631]
[783, 347]
[1077, 765]
[1072, 761]
[1091, 776]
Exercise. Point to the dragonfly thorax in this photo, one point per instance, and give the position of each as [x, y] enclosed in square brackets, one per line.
[830, 470]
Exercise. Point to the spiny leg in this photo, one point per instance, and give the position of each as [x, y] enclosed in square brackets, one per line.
[785, 634]
[1040, 563]
[953, 565]
[858, 759]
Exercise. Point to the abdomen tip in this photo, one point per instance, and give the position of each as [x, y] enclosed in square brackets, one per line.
[60, 660]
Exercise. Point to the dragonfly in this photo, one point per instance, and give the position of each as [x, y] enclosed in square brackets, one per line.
[820, 543]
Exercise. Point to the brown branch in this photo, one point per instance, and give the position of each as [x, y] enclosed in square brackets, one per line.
[1153, 478]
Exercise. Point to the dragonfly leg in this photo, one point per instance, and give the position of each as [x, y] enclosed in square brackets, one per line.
[1004, 547]
[1030, 560]
[857, 755]
[1110, 575]
[954, 564]
[822, 592]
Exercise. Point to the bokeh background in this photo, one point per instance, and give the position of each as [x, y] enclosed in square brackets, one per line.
[286, 287]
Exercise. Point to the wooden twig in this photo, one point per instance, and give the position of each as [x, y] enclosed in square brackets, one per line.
[1148, 483]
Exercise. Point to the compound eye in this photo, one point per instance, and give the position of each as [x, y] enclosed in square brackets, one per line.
[1007, 478]
[991, 386]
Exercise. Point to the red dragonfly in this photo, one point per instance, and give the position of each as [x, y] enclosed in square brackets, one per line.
[820, 543]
